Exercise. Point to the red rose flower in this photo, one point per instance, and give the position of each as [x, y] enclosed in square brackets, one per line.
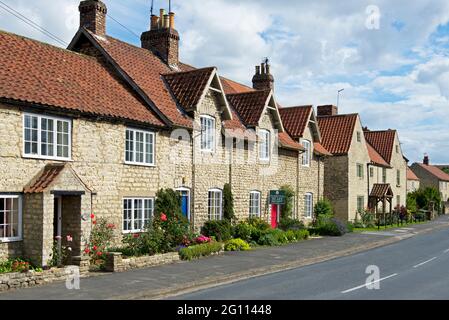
[87, 250]
[136, 235]
[92, 216]
[99, 253]
[95, 248]
[163, 217]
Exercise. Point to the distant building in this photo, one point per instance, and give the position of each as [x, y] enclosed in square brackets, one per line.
[413, 181]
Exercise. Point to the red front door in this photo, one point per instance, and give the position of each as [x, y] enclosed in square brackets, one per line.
[274, 215]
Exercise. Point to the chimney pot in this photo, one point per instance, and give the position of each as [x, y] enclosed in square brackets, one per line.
[263, 80]
[172, 20]
[166, 21]
[154, 22]
[161, 18]
[426, 160]
[257, 70]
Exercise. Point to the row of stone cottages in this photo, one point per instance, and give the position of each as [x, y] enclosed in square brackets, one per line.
[103, 125]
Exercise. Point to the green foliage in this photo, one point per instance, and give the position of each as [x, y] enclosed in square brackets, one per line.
[350, 227]
[100, 239]
[201, 250]
[258, 224]
[327, 225]
[220, 230]
[168, 201]
[287, 208]
[17, 265]
[291, 224]
[237, 245]
[275, 237]
[150, 242]
[323, 207]
[268, 239]
[368, 220]
[424, 197]
[446, 170]
[244, 231]
[412, 205]
[228, 203]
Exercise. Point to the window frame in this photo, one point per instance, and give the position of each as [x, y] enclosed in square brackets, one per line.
[384, 175]
[306, 200]
[371, 172]
[307, 154]
[265, 142]
[220, 215]
[133, 199]
[398, 178]
[39, 155]
[19, 237]
[363, 203]
[259, 203]
[205, 132]
[362, 171]
[145, 146]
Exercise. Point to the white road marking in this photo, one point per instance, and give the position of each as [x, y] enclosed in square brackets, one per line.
[367, 284]
[423, 263]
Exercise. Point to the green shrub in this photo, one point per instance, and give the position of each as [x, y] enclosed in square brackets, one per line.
[350, 227]
[301, 235]
[228, 203]
[201, 250]
[168, 201]
[291, 224]
[244, 231]
[327, 225]
[290, 235]
[17, 265]
[268, 239]
[323, 207]
[280, 236]
[220, 230]
[237, 245]
[259, 224]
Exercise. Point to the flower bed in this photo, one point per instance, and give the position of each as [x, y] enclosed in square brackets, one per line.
[15, 280]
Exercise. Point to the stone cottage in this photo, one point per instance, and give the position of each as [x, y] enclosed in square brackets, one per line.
[366, 165]
[433, 177]
[102, 126]
[413, 182]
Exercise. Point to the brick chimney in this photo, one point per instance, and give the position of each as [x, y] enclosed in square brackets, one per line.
[263, 79]
[426, 160]
[163, 39]
[93, 16]
[327, 110]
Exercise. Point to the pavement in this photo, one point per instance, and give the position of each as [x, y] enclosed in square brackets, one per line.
[187, 277]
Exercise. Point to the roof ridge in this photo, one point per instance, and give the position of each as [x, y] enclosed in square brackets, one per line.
[21, 37]
[249, 92]
[340, 115]
[189, 71]
[297, 107]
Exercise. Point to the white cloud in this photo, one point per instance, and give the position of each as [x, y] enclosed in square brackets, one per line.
[315, 47]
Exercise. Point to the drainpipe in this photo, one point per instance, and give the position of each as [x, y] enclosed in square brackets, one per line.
[297, 185]
[192, 192]
[368, 175]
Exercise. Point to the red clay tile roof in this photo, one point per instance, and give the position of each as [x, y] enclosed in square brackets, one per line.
[295, 119]
[436, 172]
[188, 86]
[381, 190]
[249, 105]
[320, 150]
[411, 175]
[231, 87]
[287, 142]
[337, 132]
[382, 141]
[375, 157]
[145, 70]
[45, 179]
[38, 73]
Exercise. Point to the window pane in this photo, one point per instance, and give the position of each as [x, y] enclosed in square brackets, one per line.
[149, 157]
[138, 214]
[9, 217]
[139, 142]
[129, 145]
[63, 139]
[31, 135]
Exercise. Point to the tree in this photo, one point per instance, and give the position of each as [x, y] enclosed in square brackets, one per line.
[228, 203]
[323, 207]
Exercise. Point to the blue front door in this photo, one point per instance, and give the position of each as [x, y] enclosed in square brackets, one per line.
[185, 203]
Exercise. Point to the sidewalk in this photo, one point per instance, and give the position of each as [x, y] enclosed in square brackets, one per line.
[182, 277]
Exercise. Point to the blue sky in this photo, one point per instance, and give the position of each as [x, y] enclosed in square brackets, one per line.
[395, 76]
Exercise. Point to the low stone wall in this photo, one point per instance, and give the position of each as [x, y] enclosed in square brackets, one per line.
[31, 278]
[116, 263]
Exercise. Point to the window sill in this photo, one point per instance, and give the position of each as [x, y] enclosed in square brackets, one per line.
[133, 232]
[136, 164]
[47, 158]
[9, 240]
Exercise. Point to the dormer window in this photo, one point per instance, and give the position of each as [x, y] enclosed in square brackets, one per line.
[207, 133]
[264, 145]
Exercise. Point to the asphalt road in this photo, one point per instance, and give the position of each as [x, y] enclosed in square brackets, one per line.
[416, 268]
